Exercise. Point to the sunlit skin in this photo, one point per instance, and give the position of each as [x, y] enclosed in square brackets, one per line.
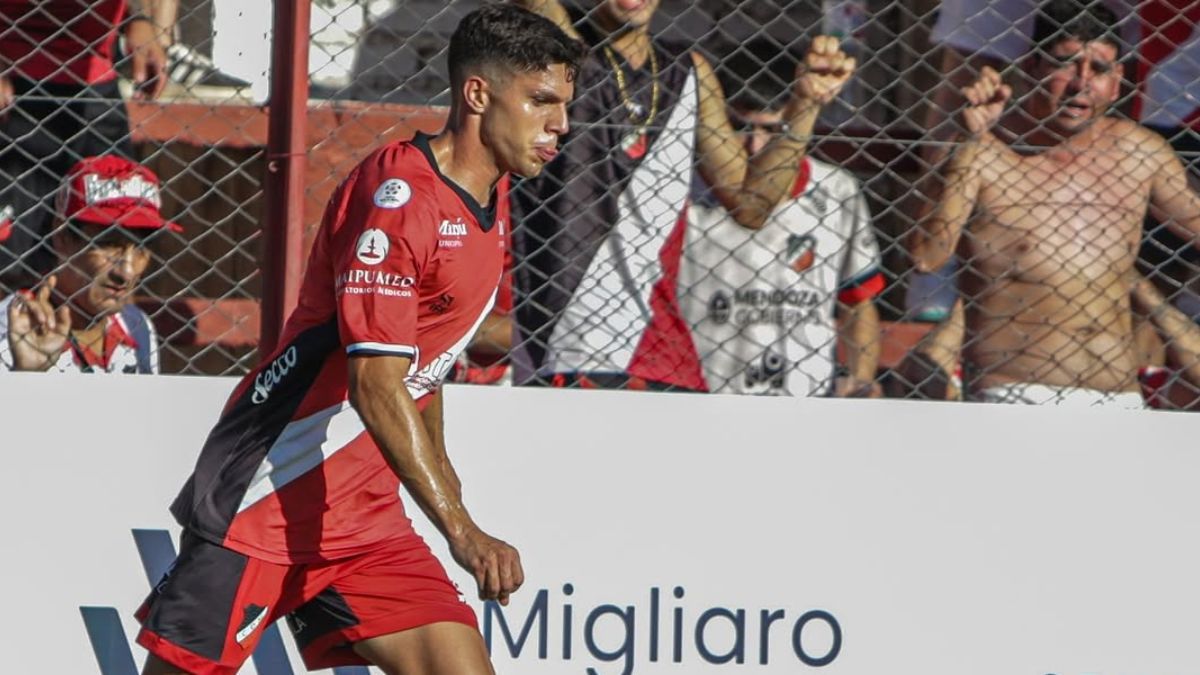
[509, 122]
[97, 279]
[1045, 212]
[756, 128]
[617, 15]
[100, 268]
[1078, 83]
[527, 117]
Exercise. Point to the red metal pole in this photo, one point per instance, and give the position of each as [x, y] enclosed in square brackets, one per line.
[282, 247]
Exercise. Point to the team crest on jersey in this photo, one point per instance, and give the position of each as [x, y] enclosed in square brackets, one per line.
[719, 308]
[392, 194]
[801, 252]
[372, 246]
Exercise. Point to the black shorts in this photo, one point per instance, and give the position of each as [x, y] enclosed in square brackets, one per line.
[48, 129]
[210, 610]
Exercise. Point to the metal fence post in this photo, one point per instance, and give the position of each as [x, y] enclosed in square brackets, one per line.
[282, 251]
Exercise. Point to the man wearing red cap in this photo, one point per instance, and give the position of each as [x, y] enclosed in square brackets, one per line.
[79, 319]
[59, 103]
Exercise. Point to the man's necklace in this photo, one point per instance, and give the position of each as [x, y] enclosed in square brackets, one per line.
[634, 143]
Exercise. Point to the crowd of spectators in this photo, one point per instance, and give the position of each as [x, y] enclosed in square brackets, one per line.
[691, 236]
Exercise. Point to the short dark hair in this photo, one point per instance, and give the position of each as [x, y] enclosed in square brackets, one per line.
[512, 38]
[757, 75]
[1084, 20]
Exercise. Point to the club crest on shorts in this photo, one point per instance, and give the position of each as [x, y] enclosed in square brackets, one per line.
[372, 246]
[801, 252]
[392, 194]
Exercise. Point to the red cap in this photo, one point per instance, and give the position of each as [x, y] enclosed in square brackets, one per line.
[111, 190]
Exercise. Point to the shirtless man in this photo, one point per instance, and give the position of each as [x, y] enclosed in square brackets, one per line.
[1045, 211]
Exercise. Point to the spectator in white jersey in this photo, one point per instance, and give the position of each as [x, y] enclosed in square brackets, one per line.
[761, 302]
[79, 318]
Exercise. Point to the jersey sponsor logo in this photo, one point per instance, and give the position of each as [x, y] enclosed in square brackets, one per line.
[719, 308]
[770, 369]
[252, 618]
[457, 228]
[820, 199]
[801, 252]
[98, 189]
[392, 194]
[428, 378]
[372, 246]
[273, 374]
[765, 306]
[441, 304]
[374, 282]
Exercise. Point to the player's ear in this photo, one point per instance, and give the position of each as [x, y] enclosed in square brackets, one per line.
[476, 94]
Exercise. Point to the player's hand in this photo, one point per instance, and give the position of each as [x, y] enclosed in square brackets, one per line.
[824, 71]
[37, 331]
[848, 386]
[149, 60]
[495, 565]
[985, 101]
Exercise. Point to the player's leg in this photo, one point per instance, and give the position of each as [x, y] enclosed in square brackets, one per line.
[207, 614]
[393, 607]
[446, 648]
[156, 666]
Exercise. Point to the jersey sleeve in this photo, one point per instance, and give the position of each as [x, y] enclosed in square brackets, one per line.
[860, 278]
[378, 257]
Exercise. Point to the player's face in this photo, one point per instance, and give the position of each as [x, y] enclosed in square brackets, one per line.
[100, 275]
[526, 116]
[625, 14]
[1078, 83]
[756, 128]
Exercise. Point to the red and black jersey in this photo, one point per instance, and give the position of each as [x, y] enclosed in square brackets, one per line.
[62, 41]
[405, 263]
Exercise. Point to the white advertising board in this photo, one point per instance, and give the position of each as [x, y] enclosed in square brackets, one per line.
[677, 534]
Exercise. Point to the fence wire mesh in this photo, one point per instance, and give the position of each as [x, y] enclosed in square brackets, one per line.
[1035, 245]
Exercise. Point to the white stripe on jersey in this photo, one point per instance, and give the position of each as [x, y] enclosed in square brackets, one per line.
[302, 446]
[401, 350]
[602, 325]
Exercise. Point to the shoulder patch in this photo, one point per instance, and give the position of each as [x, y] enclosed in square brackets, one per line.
[372, 246]
[392, 194]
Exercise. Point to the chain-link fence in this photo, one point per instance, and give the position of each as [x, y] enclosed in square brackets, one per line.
[1032, 244]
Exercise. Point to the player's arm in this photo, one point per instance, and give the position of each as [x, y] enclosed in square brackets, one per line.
[432, 417]
[553, 10]
[936, 236]
[378, 394]
[750, 188]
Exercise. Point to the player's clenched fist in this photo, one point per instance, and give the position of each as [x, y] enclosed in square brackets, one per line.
[824, 71]
[985, 101]
[495, 565]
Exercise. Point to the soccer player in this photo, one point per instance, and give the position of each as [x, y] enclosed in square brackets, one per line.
[293, 509]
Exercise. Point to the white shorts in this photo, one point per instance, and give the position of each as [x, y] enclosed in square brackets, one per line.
[1046, 394]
